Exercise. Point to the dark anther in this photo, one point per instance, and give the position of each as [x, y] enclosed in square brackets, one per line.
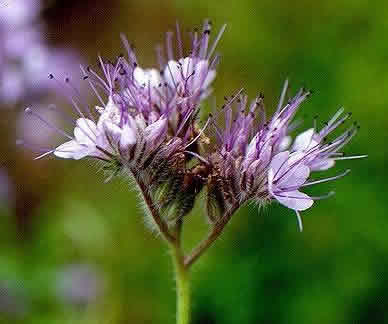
[226, 98]
[161, 72]
[122, 72]
[121, 55]
[85, 77]
[326, 123]
[261, 95]
[88, 68]
[207, 32]
[134, 64]
[51, 76]
[67, 79]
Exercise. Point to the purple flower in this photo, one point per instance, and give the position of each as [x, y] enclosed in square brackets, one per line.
[285, 177]
[79, 284]
[23, 72]
[257, 158]
[137, 138]
[18, 13]
[147, 124]
[143, 109]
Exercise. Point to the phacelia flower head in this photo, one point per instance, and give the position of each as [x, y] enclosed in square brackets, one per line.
[256, 159]
[146, 119]
[147, 123]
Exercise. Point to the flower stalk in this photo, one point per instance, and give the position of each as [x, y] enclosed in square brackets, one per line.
[182, 278]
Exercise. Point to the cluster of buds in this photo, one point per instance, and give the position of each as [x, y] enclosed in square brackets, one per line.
[147, 124]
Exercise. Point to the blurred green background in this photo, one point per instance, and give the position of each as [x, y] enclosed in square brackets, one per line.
[75, 250]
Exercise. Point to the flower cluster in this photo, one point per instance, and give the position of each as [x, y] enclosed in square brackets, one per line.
[147, 124]
[256, 159]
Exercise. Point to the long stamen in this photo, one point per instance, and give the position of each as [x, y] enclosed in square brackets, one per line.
[47, 123]
[200, 133]
[86, 77]
[199, 157]
[179, 39]
[282, 96]
[350, 157]
[215, 43]
[299, 218]
[328, 195]
[170, 53]
[326, 179]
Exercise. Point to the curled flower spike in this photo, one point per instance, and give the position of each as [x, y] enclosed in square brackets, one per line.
[146, 122]
[256, 159]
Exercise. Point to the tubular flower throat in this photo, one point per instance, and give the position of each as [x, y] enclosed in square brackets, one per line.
[146, 123]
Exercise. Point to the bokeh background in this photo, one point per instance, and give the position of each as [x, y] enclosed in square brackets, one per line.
[75, 250]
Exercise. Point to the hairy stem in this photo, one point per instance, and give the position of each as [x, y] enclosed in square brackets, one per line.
[162, 226]
[182, 286]
[216, 231]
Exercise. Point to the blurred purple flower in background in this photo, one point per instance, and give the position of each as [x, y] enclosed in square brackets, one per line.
[79, 284]
[25, 56]
[28, 127]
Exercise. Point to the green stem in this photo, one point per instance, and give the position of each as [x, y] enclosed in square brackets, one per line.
[182, 286]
